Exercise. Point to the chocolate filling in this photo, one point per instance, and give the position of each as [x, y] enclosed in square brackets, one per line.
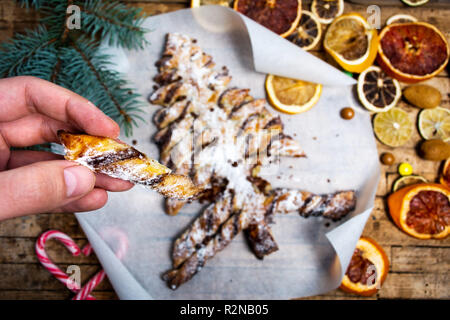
[104, 160]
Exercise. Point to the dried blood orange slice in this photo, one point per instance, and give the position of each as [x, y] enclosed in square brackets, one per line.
[412, 52]
[280, 16]
[445, 176]
[327, 10]
[308, 32]
[422, 210]
[367, 270]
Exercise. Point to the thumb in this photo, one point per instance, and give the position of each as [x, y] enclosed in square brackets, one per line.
[42, 187]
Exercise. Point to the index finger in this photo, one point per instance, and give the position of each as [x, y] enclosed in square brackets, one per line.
[21, 96]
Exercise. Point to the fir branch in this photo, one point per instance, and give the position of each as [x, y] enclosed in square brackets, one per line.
[33, 54]
[65, 35]
[31, 3]
[86, 71]
[111, 20]
[72, 60]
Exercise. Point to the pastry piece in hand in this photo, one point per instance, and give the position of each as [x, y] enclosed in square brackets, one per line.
[119, 160]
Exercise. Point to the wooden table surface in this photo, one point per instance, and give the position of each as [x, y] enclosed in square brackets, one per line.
[419, 268]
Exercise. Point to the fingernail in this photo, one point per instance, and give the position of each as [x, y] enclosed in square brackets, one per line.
[79, 181]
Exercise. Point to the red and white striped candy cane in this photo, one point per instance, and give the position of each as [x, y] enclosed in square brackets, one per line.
[84, 293]
[107, 233]
[58, 273]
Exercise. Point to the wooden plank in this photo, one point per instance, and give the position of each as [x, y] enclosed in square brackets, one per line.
[145, 2]
[6, 30]
[51, 295]
[345, 296]
[158, 8]
[382, 185]
[420, 259]
[36, 277]
[22, 250]
[397, 4]
[10, 10]
[416, 286]
[32, 226]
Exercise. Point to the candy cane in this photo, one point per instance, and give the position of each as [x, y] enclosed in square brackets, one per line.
[84, 293]
[120, 252]
[54, 270]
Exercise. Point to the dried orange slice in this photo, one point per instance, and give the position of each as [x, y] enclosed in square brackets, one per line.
[445, 176]
[327, 10]
[400, 18]
[412, 52]
[198, 3]
[367, 270]
[280, 16]
[308, 32]
[377, 91]
[290, 95]
[422, 210]
[351, 42]
[393, 128]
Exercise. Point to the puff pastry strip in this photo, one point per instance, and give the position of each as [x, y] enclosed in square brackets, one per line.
[119, 160]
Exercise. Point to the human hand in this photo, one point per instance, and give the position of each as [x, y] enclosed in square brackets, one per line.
[31, 112]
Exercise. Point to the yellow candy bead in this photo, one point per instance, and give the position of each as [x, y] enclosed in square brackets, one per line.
[405, 169]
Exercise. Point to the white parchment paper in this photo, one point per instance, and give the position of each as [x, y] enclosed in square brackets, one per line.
[132, 235]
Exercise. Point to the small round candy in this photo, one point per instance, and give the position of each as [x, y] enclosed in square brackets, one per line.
[387, 158]
[405, 169]
[347, 113]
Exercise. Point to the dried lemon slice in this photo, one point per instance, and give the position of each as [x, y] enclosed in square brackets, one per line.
[435, 124]
[377, 91]
[400, 18]
[393, 128]
[308, 32]
[327, 10]
[414, 3]
[198, 3]
[290, 95]
[352, 42]
[407, 181]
